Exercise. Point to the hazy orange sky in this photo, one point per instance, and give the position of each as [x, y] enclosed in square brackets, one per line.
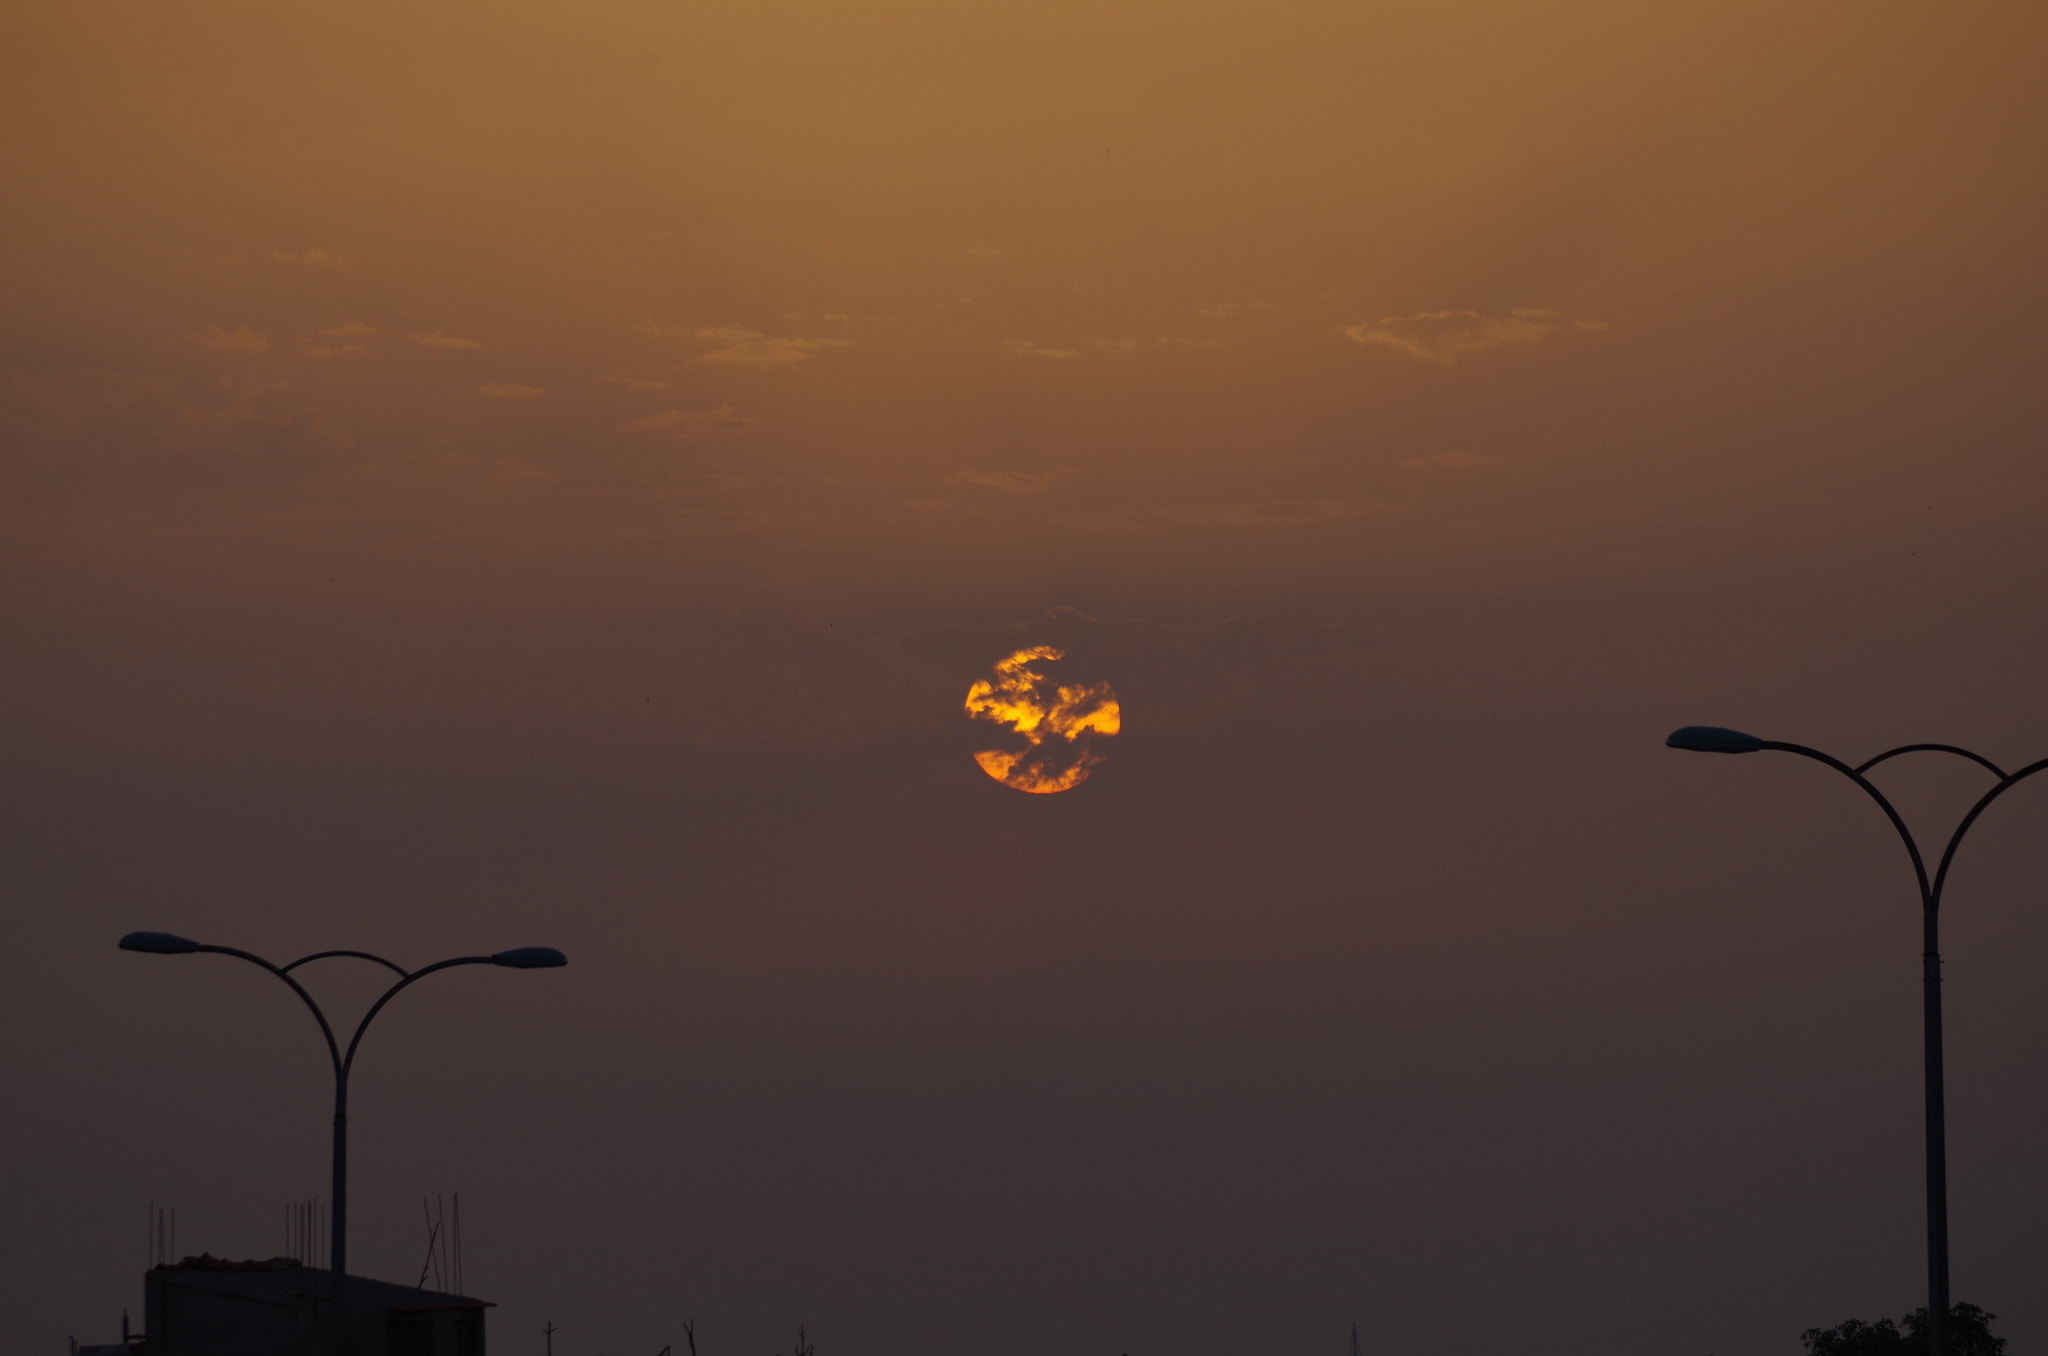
[487, 475]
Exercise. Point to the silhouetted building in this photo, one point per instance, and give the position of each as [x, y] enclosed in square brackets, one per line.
[205, 1306]
[127, 1346]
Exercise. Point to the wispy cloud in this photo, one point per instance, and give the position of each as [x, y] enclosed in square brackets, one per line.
[1442, 337]
[1025, 348]
[1028, 348]
[764, 351]
[354, 329]
[743, 348]
[334, 350]
[630, 383]
[725, 334]
[506, 390]
[689, 425]
[240, 339]
[1009, 482]
[441, 339]
[1228, 310]
[738, 347]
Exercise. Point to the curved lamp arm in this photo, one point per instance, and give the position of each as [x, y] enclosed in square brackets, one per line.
[1928, 896]
[169, 944]
[520, 958]
[359, 955]
[1983, 802]
[349, 1059]
[1714, 739]
[1976, 758]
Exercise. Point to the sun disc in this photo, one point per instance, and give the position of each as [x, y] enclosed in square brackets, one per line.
[1053, 727]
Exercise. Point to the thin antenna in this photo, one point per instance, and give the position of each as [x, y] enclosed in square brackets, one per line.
[549, 1330]
[458, 1245]
[1354, 1339]
[163, 1234]
[302, 1241]
[433, 1233]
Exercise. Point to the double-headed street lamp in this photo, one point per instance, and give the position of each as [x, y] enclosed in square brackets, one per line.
[1713, 739]
[522, 958]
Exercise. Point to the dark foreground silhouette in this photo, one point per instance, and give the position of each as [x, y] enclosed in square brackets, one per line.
[1969, 1334]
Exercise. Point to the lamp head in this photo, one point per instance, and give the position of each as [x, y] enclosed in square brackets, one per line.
[1713, 739]
[530, 958]
[158, 943]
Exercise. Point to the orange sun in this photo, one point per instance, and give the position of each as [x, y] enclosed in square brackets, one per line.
[1057, 726]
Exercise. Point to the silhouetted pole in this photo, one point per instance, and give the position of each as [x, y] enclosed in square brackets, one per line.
[1713, 739]
[522, 958]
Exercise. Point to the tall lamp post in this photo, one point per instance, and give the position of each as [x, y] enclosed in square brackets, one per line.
[1713, 739]
[522, 958]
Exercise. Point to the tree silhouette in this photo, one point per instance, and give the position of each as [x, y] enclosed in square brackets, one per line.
[805, 1348]
[1854, 1337]
[1969, 1334]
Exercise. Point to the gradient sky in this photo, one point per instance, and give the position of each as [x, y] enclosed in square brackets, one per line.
[482, 475]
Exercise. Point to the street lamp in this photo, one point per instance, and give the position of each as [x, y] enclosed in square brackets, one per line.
[521, 958]
[1713, 739]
